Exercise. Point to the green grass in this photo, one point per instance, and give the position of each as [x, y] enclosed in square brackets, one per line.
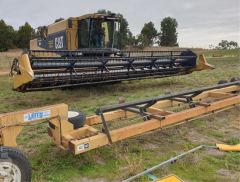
[130, 156]
[223, 53]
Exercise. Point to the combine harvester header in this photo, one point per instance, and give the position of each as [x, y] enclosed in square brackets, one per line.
[45, 70]
[85, 50]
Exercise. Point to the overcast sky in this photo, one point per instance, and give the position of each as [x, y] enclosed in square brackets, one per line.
[201, 22]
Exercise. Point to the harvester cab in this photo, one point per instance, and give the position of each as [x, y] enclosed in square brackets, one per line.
[85, 32]
[85, 50]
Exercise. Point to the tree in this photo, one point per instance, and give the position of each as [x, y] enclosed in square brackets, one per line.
[132, 40]
[224, 44]
[125, 34]
[7, 36]
[58, 20]
[168, 35]
[148, 35]
[233, 45]
[24, 35]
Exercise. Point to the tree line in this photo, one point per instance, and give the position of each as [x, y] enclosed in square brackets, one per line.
[167, 35]
[149, 35]
[225, 44]
[10, 38]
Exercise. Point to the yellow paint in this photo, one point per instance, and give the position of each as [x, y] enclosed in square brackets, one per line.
[229, 148]
[171, 178]
[87, 138]
[26, 73]
[202, 64]
[106, 33]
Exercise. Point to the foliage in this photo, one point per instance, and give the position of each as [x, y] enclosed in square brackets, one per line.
[7, 36]
[24, 35]
[133, 40]
[168, 34]
[126, 37]
[148, 35]
[58, 20]
[224, 44]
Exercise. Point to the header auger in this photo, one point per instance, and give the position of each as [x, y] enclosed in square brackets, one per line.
[45, 70]
[85, 50]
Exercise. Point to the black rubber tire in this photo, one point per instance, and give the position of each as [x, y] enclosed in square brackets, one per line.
[234, 79]
[222, 82]
[12, 155]
[78, 121]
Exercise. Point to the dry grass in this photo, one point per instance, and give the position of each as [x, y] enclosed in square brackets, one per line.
[6, 59]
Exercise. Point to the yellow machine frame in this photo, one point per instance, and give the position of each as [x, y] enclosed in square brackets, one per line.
[71, 32]
[88, 137]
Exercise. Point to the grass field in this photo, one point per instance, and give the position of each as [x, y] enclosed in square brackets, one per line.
[123, 159]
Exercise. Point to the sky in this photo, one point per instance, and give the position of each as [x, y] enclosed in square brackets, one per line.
[200, 22]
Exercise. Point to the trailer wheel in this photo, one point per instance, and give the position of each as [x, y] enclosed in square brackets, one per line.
[222, 82]
[14, 166]
[76, 118]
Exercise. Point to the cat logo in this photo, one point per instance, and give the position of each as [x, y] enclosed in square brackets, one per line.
[59, 42]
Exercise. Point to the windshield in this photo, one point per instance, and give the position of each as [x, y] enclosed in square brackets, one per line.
[95, 33]
[104, 34]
